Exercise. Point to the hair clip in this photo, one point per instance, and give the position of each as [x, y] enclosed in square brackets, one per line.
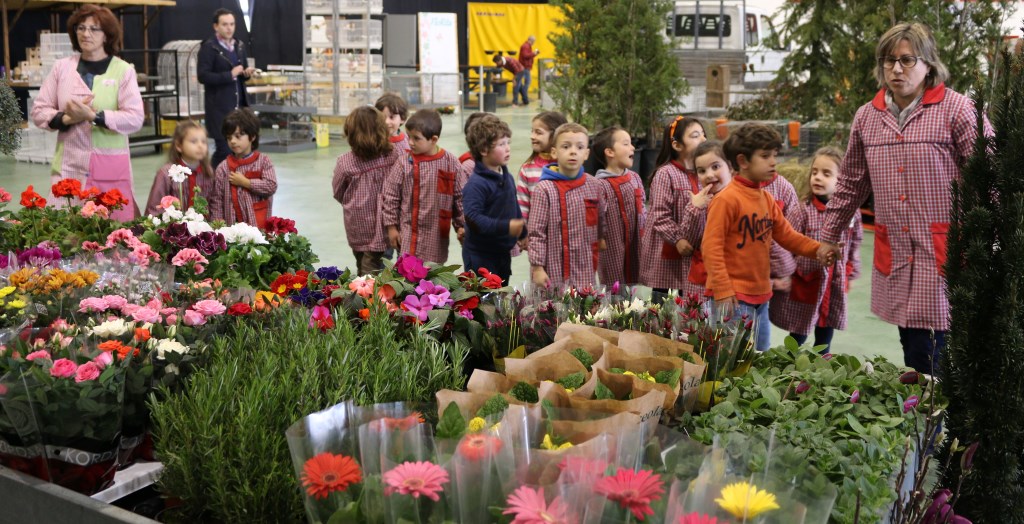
[672, 128]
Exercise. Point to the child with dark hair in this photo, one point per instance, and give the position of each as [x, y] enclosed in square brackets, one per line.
[624, 218]
[358, 179]
[743, 220]
[713, 174]
[493, 220]
[421, 198]
[396, 111]
[245, 180]
[542, 129]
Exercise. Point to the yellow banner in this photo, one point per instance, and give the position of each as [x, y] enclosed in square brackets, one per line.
[505, 27]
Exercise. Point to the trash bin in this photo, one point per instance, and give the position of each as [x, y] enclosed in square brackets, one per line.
[490, 102]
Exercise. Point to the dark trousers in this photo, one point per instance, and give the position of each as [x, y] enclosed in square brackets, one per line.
[221, 152]
[498, 263]
[368, 262]
[822, 337]
[922, 349]
[659, 295]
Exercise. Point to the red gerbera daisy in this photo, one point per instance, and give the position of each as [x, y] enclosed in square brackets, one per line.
[326, 473]
[633, 490]
[478, 446]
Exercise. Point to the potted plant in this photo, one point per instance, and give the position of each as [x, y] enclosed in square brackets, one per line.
[10, 120]
[616, 68]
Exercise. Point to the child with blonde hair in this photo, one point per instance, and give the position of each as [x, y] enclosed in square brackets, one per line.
[188, 149]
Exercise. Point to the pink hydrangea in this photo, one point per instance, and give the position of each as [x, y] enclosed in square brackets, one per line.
[146, 314]
[87, 371]
[194, 318]
[63, 368]
[210, 308]
[104, 359]
[115, 301]
[42, 354]
[92, 304]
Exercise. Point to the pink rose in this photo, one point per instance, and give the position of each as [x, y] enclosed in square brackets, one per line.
[210, 308]
[169, 311]
[63, 368]
[43, 354]
[171, 319]
[146, 314]
[92, 304]
[4, 195]
[115, 301]
[169, 201]
[154, 303]
[128, 309]
[87, 371]
[104, 359]
[194, 318]
[60, 325]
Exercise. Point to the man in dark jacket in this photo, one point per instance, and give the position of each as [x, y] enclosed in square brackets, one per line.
[223, 69]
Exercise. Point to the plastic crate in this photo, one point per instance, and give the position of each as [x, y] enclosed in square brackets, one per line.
[359, 6]
[352, 34]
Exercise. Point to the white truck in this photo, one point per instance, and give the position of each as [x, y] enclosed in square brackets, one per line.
[726, 45]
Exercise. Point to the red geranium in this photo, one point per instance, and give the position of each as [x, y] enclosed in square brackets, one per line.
[67, 188]
[89, 193]
[490, 280]
[30, 199]
[239, 309]
[279, 226]
[113, 199]
[468, 304]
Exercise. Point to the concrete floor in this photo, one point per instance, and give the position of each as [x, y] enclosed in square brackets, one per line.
[304, 195]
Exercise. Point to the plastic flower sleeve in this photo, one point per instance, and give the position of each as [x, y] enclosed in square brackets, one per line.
[21, 444]
[478, 476]
[412, 482]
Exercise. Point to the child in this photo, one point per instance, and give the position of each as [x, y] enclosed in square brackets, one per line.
[817, 294]
[396, 111]
[713, 174]
[624, 194]
[783, 263]
[421, 198]
[664, 243]
[466, 161]
[742, 222]
[358, 179]
[493, 220]
[544, 124]
[246, 181]
[189, 149]
[566, 200]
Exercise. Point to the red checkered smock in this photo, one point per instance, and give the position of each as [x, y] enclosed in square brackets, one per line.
[421, 196]
[253, 203]
[782, 262]
[818, 293]
[529, 175]
[357, 186]
[661, 266]
[623, 220]
[163, 186]
[910, 170]
[467, 165]
[564, 229]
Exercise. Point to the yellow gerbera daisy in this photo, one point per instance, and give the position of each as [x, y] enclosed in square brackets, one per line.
[6, 291]
[744, 501]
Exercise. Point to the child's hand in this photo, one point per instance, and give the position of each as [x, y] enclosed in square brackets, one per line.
[524, 244]
[702, 198]
[725, 307]
[828, 252]
[602, 245]
[460, 234]
[684, 248]
[393, 237]
[238, 179]
[540, 277]
[782, 284]
[515, 227]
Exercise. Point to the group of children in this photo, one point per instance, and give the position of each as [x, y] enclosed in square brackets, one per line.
[721, 224]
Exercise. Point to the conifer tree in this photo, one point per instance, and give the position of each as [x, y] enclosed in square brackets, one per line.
[983, 366]
[10, 120]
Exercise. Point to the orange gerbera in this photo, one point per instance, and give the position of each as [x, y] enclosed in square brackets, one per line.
[364, 313]
[478, 446]
[400, 423]
[326, 473]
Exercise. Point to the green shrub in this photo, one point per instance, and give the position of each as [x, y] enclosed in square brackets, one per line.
[222, 440]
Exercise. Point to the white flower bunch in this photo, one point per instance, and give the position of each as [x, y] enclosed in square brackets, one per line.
[178, 173]
[112, 328]
[169, 345]
[242, 233]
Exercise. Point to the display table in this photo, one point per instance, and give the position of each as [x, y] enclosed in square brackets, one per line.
[28, 499]
[130, 480]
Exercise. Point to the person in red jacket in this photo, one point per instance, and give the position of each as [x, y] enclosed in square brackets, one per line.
[526, 55]
[517, 70]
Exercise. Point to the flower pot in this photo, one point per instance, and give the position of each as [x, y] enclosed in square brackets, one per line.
[87, 468]
[27, 459]
[704, 393]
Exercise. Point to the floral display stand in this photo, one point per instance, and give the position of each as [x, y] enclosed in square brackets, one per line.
[28, 499]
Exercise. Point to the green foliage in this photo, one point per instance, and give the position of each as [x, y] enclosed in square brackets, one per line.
[67, 227]
[524, 392]
[584, 358]
[602, 392]
[856, 446]
[829, 72]
[572, 380]
[222, 440]
[10, 120]
[616, 66]
[452, 425]
[494, 406]
[668, 376]
[984, 359]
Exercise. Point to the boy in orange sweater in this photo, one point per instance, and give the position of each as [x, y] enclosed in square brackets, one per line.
[743, 219]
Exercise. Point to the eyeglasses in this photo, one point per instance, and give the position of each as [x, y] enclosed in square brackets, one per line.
[91, 29]
[906, 61]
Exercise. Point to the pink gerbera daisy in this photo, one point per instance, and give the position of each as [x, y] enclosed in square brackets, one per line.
[699, 518]
[416, 478]
[633, 490]
[529, 507]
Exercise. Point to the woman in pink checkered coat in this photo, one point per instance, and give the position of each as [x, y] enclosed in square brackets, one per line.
[906, 147]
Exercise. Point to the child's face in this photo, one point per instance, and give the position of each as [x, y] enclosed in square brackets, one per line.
[421, 145]
[499, 154]
[193, 147]
[620, 155]
[393, 120]
[824, 176]
[760, 167]
[692, 137]
[712, 169]
[571, 149]
[240, 143]
[540, 138]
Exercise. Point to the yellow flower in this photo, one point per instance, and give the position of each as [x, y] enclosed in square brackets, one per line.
[476, 424]
[570, 390]
[646, 376]
[496, 427]
[21, 277]
[630, 373]
[90, 277]
[549, 444]
[6, 291]
[16, 304]
[745, 501]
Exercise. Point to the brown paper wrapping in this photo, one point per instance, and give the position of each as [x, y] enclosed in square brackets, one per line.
[591, 344]
[565, 329]
[551, 366]
[648, 343]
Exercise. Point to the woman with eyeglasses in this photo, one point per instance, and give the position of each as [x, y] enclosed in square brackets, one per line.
[91, 99]
[906, 147]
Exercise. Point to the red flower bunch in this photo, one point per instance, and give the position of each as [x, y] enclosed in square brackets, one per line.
[490, 280]
[113, 199]
[288, 282]
[67, 188]
[239, 309]
[468, 304]
[30, 199]
[279, 226]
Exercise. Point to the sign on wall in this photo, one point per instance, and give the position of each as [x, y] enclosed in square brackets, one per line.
[439, 53]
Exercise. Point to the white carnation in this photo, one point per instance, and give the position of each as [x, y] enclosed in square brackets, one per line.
[192, 216]
[172, 214]
[242, 233]
[112, 328]
[636, 306]
[194, 228]
[170, 345]
[178, 173]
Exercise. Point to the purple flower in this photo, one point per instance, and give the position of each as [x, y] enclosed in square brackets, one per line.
[439, 296]
[328, 273]
[4, 262]
[306, 297]
[411, 268]
[855, 397]
[39, 256]
[466, 313]
[418, 306]
[615, 288]
[910, 377]
[967, 459]
[177, 235]
[802, 387]
[207, 242]
[941, 512]
[910, 403]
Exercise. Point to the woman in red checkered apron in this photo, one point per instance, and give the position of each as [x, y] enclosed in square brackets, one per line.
[906, 147]
[816, 299]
